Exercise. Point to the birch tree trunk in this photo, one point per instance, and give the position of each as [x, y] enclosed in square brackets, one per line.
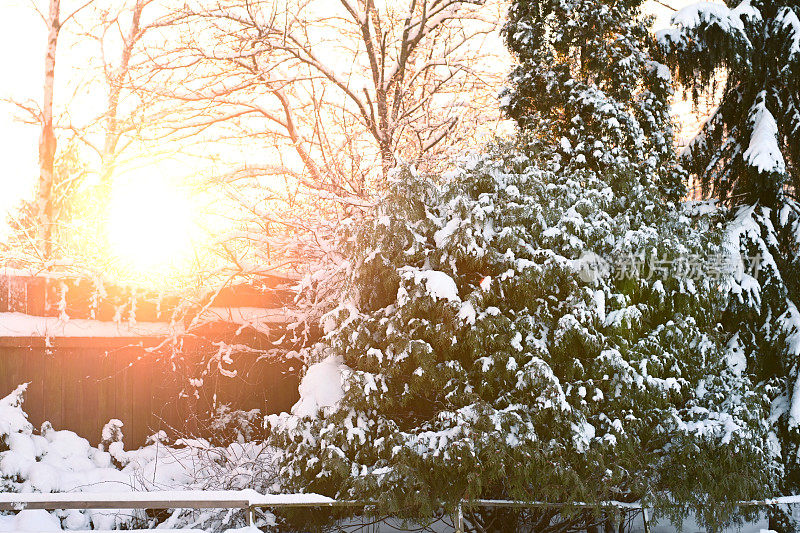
[116, 80]
[47, 140]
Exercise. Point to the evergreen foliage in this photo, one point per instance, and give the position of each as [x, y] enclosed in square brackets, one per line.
[481, 361]
[747, 151]
[519, 328]
[747, 155]
[585, 76]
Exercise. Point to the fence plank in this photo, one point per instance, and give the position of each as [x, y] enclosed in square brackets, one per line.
[106, 389]
[54, 388]
[34, 372]
[80, 388]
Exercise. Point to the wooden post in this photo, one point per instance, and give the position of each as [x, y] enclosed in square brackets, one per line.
[460, 518]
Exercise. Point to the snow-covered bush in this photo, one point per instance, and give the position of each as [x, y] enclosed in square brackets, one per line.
[227, 425]
[61, 461]
[477, 359]
[522, 327]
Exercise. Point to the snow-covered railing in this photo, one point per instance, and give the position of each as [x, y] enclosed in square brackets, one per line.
[627, 506]
[189, 499]
[250, 500]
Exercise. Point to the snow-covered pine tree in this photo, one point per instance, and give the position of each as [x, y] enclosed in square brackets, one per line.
[747, 155]
[481, 358]
[585, 76]
[485, 346]
[747, 151]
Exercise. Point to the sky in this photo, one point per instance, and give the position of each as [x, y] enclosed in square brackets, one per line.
[22, 36]
[22, 44]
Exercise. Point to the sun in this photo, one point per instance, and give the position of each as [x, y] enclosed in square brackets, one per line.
[151, 227]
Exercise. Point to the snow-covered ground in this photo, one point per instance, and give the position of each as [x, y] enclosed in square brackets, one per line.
[42, 521]
[50, 461]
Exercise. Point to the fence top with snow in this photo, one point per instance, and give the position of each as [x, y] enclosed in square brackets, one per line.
[195, 499]
[48, 305]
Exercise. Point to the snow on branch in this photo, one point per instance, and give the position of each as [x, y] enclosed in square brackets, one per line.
[764, 151]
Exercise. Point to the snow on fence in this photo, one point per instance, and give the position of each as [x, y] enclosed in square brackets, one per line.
[247, 500]
[250, 500]
[67, 297]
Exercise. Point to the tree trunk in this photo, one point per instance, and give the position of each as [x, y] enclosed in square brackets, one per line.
[387, 159]
[47, 140]
[115, 84]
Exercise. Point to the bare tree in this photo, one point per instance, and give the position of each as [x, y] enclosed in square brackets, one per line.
[114, 137]
[79, 141]
[117, 76]
[324, 97]
[47, 139]
[289, 109]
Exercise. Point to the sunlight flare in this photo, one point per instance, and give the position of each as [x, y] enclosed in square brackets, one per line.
[151, 225]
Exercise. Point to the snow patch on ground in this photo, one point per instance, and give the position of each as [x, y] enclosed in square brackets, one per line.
[51, 464]
[30, 520]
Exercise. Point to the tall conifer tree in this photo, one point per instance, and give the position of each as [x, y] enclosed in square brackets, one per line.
[585, 76]
[747, 156]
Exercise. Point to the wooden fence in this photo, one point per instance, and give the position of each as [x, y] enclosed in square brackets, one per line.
[80, 383]
[250, 501]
